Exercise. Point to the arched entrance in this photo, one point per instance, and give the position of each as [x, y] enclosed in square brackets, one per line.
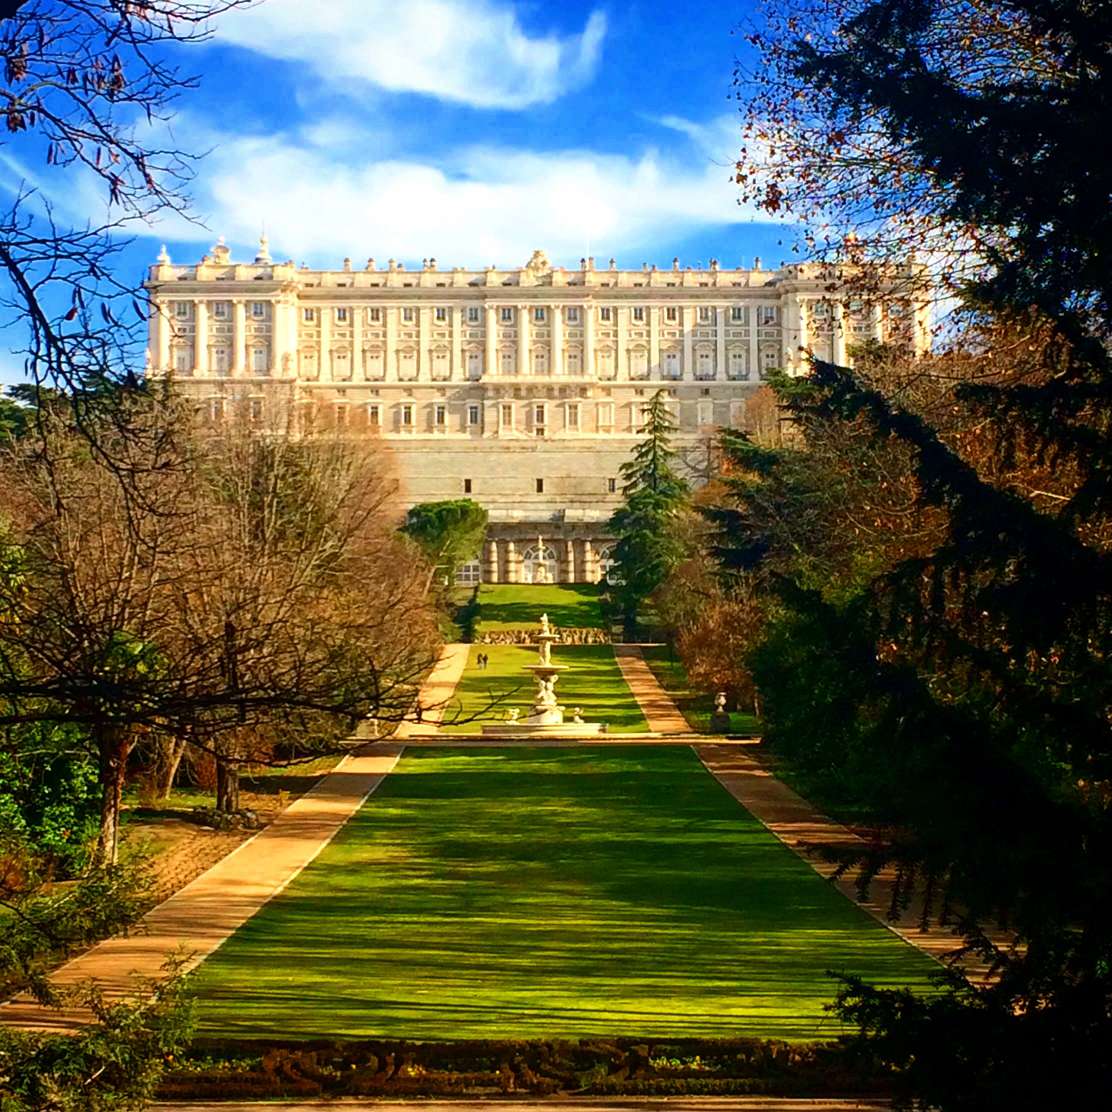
[606, 565]
[538, 564]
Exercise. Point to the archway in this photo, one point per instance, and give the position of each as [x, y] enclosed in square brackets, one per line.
[538, 564]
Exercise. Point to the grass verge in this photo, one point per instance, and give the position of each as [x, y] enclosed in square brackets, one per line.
[697, 707]
[592, 681]
[549, 893]
[520, 606]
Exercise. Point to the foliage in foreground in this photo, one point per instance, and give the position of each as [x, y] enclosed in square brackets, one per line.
[944, 619]
[41, 926]
[108, 1065]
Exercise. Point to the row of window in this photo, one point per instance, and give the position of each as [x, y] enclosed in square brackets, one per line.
[222, 310]
[507, 314]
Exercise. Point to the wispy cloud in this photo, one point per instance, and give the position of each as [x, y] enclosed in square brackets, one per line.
[473, 53]
[475, 205]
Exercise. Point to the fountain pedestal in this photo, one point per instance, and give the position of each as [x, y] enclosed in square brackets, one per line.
[547, 718]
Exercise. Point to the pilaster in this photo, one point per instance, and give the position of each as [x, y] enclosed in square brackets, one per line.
[720, 342]
[456, 369]
[688, 314]
[239, 351]
[754, 350]
[200, 338]
[390, 352]
[556, 314]
[838, 325]
[424, 351]
[621, 356]
[589, 339]
[524, 363]
[358, 370]
[325, 358]
[655, 370]
[491, 338]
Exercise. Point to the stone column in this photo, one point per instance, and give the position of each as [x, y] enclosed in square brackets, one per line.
[589, 339]
[325, 357]
[754, 353]
[720, 342]
[838, 326]
[490, 572]
[491, 368]
[424, 353]
[688, 315]
[239, 351]
[876, 313]
[456, 369]
[590, 565]
[569, 561]
[358, 371]
[524, 366]
[621, 356]
[655, 369]
[390, 345]
[511, 562]
[557, 354]
[163, 325]
[200, 338]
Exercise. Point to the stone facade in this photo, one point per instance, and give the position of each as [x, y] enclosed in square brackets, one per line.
[520, 388]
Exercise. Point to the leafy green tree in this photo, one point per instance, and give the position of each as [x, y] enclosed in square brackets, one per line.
[449, 533]
[972, 677]
[646, 528]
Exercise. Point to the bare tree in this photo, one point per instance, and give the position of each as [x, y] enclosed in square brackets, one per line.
[87, 89]
[254, 592]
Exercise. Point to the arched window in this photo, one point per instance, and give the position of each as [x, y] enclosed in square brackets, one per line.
[607, 565]
[538, 564]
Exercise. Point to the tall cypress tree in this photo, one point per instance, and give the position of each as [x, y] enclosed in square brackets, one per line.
[649, 542]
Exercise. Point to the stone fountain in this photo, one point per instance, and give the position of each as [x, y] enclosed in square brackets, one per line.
[547, 719]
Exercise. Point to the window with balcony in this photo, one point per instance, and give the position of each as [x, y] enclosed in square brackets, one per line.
[639, 314]
[506, 314]
[538, 315]
[440, 313]
[341, 315]
[308, 315]
[258, 310]
[704, 314]
[605, 313]
[472, 314]
[671, 314]
[506, 415]
[737, 314]
[183, 310]
[220, 310]
[374, 316]
[407, 314]
[572, 418]
[573, 314]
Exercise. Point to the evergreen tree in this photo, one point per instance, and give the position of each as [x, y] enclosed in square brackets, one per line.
[974, 677]
[449, 533]
[646, 528]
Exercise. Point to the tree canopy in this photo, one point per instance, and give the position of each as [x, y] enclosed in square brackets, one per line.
[951, 654]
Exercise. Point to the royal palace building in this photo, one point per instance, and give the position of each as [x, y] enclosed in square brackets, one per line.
[522, 388]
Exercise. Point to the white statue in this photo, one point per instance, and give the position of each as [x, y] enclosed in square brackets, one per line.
[720, 703]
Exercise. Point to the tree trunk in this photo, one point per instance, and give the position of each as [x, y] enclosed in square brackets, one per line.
[170, 752]
[227, 786]
[113, 746]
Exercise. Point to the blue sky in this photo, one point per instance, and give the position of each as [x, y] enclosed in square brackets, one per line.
[469, 130]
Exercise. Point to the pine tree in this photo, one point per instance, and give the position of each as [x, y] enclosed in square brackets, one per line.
[647, 530]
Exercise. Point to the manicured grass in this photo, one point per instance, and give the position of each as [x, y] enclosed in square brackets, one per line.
[593, 681]
[696, 706]
[548, 893]
[520, 606]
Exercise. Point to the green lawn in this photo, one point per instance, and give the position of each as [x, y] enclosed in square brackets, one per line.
[696, 706]
[548, 893]
[593, 681]
[520, 605]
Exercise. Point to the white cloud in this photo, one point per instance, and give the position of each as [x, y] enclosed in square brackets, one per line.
[494, 205]
[473, 53]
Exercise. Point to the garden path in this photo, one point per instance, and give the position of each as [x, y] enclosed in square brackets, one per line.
[437, 689]
[197, 919]
[799, 825]
[656, 704]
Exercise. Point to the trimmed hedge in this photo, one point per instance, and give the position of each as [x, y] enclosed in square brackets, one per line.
[259, 1069]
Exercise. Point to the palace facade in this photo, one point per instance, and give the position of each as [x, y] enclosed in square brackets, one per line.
[521, 388]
